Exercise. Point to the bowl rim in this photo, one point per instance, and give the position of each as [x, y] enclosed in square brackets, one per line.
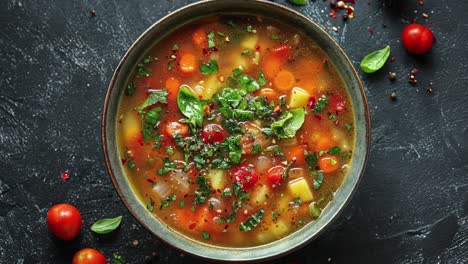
[112, 87]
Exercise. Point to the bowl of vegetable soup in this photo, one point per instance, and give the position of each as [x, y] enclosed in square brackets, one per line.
[235, 130]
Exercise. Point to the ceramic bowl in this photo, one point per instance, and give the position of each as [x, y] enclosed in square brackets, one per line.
[191, 13]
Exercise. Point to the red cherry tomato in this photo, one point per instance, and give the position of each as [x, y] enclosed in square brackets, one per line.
[337, 103]
[283, 51]
[212, 133]
[246, 176]
[89, 256]
[64, 221]
[417, 39]
[274, 175]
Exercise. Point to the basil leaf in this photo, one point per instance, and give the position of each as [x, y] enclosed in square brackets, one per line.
[312, 160]
[155, 96]
[298, 2]
[252, 222]
[244, 82]
[105, 226]
[190, 106]
[261, 107]
[209, 68]
[289, 123]
[375, 60]
[150, 120]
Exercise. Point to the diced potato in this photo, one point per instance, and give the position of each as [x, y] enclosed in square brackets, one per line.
[283, 203]
[131, 127]
[280, 228]
[250, 42]
[300, 188]
[207, 88]
[299, 98]
[265, 237]
[217, 179]
[258, 197]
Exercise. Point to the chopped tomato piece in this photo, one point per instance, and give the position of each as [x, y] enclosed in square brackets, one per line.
[213, 133]
[274, 176]
[246, 176]
[282, 51]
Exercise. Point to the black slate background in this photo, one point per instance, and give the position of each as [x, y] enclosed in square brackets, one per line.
[56, 61]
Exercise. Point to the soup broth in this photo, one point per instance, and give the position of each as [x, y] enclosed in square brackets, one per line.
[235, 131]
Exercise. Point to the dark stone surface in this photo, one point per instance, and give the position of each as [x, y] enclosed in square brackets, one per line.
[57, 59]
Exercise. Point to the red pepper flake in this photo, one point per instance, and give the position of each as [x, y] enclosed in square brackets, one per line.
[421, 2]
[257, 48]
[371, 30]
[392, 59]
[429, 89]
[206, 52]
[312, 102]
[65, 175]
[124, 160]
[414, 71]
[318, 117]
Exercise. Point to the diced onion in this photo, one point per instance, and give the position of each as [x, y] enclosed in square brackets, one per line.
[263, 164]
[180, 179]
[162, 188]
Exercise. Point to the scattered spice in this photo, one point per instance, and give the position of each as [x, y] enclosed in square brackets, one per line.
[92, 13]
[392, 76]
[425, 15]
[392, 59]
[393, 96]
[65, 175]
[335, 29]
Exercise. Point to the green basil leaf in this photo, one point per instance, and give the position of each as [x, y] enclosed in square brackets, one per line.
[298, 2]
[190, 106]
[375, 60]
[289, 123]
[209, 68]
[155, 96]
[105, 226]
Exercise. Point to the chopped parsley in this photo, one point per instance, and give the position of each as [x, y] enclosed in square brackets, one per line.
[211, 43]
[130, 89]
[334, 150]
[202, 193]
[256, 148]
[155, 96]
[205, 235]
[297, 200]
[321, 103]
[274, 37]
[250, 29]
[349, 126]
[166, 202]
[245, 53]
[175, 47]
[318, 180]
[168, 165]
[170, 151]
[142, 71]
[252, 222]
[261, 78]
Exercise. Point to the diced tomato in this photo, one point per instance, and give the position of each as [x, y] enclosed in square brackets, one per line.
[337, 103]
[213, 133]
[283, 51]
[274, 176]
[328, 163]
[176, 128]
[246, 176]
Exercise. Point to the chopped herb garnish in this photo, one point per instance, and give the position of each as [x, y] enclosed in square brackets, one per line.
[206, 235]
[117, 259]
[274, 37]
[245, 53]
[289, 123]
[170, 67]
[252, 222]
[234, 148]
[311, 160]
[349, 126]
[321, 103]
[190, 107]
[170, 151]
[286, 171]
[297, 200]
[332, 161]
[142, 71]
[175, 47]
[168, 165]
[261, 78]
[275, 150]
[209, 68]
[202, 193]
[334, 150]
[231, 23]
[130, 89]
[221, 34]
[226, 193]
[250, 29]
[256, 148]
[149, 206]
[165, 202]
[318, 180]
[261, 107]
[130, 164]
[182, 204]
[155, 96]
[211, 43]
[301, 222]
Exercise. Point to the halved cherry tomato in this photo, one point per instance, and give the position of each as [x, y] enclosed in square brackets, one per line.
[89, 256]
[213, 133]
[64, 221]
[417, 39]
[337, 103]
[328, 163]
[274, 175]
[246, 176]
[176, 128]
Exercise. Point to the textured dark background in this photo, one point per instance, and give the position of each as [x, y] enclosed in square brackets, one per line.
[56, 61]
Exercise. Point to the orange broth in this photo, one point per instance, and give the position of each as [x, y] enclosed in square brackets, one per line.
[254, 178]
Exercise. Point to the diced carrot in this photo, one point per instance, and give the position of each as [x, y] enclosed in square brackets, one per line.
[325, 143]
[269, 93]
[172, 86]
[188, 63]
[176, 128]
[199, 38]
[272, 66]
[328, 163]
[295, 153]
[284, 80]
